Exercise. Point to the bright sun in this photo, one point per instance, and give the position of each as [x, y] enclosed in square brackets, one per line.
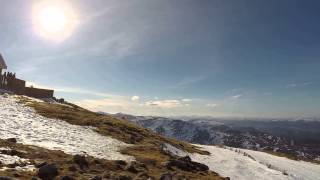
[54, 20]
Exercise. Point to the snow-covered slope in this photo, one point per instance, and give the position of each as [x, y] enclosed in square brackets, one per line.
[295, 169]
[241, 164]
[233, 163]
[21, 122]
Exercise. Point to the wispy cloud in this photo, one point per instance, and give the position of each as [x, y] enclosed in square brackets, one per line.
[212, 105]
[296, 85]
[236, 96]
[188, 81]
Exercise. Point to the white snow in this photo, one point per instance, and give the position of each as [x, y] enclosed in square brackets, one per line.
[173, 150]
[231, 162]
[295, 169]
[24, 124]
[235, 165]
[22, 164]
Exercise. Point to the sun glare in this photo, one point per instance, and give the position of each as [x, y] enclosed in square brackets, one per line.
[54, 20]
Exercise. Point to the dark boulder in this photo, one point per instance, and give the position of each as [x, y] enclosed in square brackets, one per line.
[12, 140]
[142, 176]
[72, 168]
[48, 172]
[166, 176]
[124, 177]
[136, 167]
[121, 162]
[97, 178]
[186, 164]
[39, 165]
[67, 178]
[81, 161]
[5, 178]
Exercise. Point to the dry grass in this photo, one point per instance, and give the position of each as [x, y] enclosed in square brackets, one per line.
[146, 144]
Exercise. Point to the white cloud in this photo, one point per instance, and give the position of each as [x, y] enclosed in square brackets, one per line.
[212, 105]
[164, 103]
[135, 98]
[236, 96]
[186, 100]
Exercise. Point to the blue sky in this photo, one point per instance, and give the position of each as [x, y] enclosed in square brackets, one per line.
[182, 57]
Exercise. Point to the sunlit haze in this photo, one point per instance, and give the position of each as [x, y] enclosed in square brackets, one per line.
[169, 58]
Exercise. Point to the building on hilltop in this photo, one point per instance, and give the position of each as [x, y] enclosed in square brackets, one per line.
[3, 64]
[9, 82]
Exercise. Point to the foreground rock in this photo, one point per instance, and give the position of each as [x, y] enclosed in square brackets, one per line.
[48, 172]
[81, 161]
[186, 164]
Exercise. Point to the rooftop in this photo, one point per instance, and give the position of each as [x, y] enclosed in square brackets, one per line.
[3, 64]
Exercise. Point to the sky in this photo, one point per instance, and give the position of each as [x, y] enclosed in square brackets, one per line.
[216, 58]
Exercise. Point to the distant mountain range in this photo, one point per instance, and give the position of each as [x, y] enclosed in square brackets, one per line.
[299, 139]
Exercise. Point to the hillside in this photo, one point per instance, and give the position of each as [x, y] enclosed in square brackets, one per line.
[48, 139]
[76, 143]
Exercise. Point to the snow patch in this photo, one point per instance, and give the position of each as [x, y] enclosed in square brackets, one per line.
[21, 163]
[173, 150]
[24, 124]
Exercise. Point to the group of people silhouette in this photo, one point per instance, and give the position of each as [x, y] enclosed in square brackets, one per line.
[9, 75]
[4, 78]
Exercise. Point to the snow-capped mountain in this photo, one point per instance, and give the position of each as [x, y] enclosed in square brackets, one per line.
[256, 135]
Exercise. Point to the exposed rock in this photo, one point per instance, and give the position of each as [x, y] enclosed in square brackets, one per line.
[12, 140]
[67, 178]
[166, 176]
[11, 152]
[72, 168]
[136, 167]
[179, 177]
[16, 174]
[81, 161]
[185, 164]
[121, 162]
[41, 164]
[142, 176]
[97, 161]
[5, 178]
[124, 177]
[97, 178]
[48, 172]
